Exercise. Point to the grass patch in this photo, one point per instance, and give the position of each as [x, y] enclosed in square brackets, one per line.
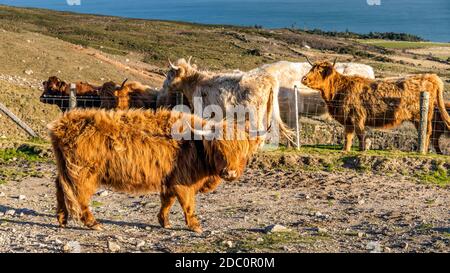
[424, 227]
[440, 177]
[402, 44]
[96, 204]
[24, 153]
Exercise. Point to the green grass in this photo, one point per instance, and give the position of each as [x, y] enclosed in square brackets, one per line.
[440, 177]
[96, 204]
[402, 44]
[24, 154]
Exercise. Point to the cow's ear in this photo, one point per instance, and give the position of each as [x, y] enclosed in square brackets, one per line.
[44, 83]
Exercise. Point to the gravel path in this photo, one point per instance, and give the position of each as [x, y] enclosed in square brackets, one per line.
[317, 212]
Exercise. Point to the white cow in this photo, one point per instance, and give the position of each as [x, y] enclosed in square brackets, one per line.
[256, 90]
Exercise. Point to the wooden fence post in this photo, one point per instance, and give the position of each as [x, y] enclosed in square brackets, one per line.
[424, 102]
[14, 118]
[73, 96]
[297, 125]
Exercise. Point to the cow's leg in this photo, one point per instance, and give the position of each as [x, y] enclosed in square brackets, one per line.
[84, 198]
[436, 137]
[349, 132]
[167, 200]
[61, 209]
[186, 197]
[360, 132]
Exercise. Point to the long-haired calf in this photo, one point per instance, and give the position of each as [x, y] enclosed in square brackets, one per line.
[135, 151]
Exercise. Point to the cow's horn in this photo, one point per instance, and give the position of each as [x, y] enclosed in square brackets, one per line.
[334, 62]
[123, 84]
[307, 59]
[173, 66]
[189, 60]
[199, 132]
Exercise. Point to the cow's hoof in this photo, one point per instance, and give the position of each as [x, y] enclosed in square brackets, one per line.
[166, 225]
[97, 226]
[163, 223]
[196, 229]
[62, 225]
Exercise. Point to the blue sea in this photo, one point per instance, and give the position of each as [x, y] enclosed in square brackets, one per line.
[429, 19]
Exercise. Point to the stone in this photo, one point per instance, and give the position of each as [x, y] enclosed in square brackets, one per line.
[72, 247]
[140, 244]
[228, 243]
[10, 212]
[321, 230]
[28, 72]
[275, 228]
[103, 193]
[374, 247]
[113, 247]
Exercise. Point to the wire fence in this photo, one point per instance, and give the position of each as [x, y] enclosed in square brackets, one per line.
[63, 102]
[313, 125]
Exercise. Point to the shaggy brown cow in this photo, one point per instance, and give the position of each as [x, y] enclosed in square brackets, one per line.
[107, 94]
[55, 86]
[135, 95]
[57, 92]
[357, 102]
[439, 127]
[135, 152]
[128, 95]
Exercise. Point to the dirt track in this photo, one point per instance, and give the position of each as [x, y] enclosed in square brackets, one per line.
[324, 212]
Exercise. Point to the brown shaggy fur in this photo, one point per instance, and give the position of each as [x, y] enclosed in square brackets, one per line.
[133, 151]
[357, 102]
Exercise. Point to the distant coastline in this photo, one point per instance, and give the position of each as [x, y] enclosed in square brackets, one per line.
[429, 20]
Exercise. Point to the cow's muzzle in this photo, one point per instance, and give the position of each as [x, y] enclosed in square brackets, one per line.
[228, 174]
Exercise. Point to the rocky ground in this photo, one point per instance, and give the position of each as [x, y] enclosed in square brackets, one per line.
[313, 211]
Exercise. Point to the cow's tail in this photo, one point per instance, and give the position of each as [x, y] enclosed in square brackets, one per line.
[64, 180]
[441, 103]
[284, 129]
